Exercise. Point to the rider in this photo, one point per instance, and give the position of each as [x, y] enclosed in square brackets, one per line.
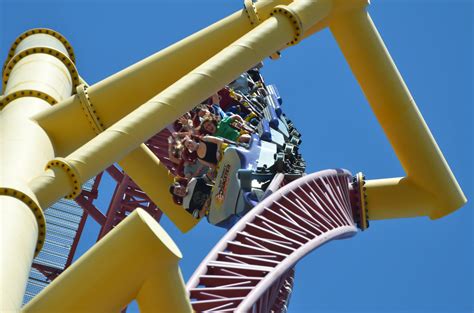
[208, 149]
[227, 128]
[195, 197]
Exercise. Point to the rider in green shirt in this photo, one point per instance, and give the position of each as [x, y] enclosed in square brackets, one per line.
[226, 128]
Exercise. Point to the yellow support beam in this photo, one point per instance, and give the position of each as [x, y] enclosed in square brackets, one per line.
[140, 164]
[430, 187]
[154, 179]
[119, 94]
[136, 260]
[145, 169]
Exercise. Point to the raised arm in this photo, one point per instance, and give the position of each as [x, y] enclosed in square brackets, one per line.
[216, 140]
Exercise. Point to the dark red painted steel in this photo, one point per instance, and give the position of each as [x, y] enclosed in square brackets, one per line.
[115, 213]
[158, 144]
[85, 201]
[90, 209]
[48, 271]
[126, 198]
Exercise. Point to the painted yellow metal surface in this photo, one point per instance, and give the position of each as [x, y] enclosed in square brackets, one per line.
[32, 79]
[152, 116]
[430, 188]
[116, 96]
[119, 94]
[141, 165]
[134, 104]
[136, 260]
[117, 141]
[154, 179]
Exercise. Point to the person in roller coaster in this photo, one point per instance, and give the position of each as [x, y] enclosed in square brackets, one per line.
[193, 195]
[197, 156]
[184, 123]
[189, 166]
[215, 106]
[232, 127]
[210, 107]
[226, 125]
[208, 149]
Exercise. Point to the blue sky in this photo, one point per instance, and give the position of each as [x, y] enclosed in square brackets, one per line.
[411, 265]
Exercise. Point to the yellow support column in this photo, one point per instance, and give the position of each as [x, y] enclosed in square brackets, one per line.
[39, 72]
[430, 187]
[136, 260]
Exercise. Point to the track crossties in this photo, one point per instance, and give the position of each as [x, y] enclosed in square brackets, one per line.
[251, 268]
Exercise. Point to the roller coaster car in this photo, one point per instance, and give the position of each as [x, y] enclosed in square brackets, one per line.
[244, 173]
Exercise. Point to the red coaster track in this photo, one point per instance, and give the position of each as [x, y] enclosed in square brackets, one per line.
[251, 267]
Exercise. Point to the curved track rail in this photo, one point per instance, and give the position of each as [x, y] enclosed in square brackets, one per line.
[251, 268]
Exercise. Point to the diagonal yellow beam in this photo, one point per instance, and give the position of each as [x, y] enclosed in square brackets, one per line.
[119, 94]
[430, 187]
[147, 171]
[136, 260]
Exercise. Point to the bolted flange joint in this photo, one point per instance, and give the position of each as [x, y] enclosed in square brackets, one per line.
[35, 31]
[360, 207]
[294, 20]
[62, 164]
[4, 101]
[251, 11]
[45, 50]
[89, 110]
[35, 209]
